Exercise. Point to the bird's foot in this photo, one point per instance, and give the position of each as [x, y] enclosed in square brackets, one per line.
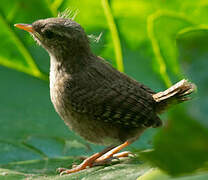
[123, 154]
[110, 160]
[113, 154]
[101, 158]
[85, 164]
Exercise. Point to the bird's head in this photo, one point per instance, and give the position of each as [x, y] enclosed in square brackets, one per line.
[59, 36]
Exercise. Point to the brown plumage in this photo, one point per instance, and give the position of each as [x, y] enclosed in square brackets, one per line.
[95, 100]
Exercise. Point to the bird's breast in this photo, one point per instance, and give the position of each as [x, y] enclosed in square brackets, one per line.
[58, 93]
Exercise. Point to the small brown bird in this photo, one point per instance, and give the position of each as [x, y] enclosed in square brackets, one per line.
[101, 104]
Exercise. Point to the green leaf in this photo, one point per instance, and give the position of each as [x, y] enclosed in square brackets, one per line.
[114, 33]
[6, 174]
[155, 174]
[11, 152]
[162, 29]
[181, 146]
[15, 52]
[45, 169]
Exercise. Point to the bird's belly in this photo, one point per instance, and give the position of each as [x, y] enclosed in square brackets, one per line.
[100, 132]
[91, 130]
[83, 124]
[96, 131]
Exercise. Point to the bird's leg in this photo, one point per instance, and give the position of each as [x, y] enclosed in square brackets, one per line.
[88, 162]
[113, 153]
[114, 156]
[98, 158]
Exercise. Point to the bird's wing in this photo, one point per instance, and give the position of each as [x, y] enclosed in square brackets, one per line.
[113, 99]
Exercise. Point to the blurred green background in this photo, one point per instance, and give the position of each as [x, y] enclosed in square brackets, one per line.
[156, 42]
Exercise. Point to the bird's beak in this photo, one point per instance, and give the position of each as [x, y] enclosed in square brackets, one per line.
[26, 27]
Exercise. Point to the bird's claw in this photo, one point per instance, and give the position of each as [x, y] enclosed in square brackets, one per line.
[60, 170]
[63, 172]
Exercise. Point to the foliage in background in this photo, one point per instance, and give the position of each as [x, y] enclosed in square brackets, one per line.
[156, 42]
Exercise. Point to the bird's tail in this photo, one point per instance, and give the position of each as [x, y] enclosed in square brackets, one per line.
[175, 94]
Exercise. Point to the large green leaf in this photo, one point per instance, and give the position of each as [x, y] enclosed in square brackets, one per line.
[185, 142]
[162, 29]
[193, 54]
[14, 53]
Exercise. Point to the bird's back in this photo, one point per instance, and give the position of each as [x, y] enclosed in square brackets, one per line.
[110, 96]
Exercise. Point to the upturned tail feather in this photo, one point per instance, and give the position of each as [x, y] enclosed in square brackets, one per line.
[175, 94]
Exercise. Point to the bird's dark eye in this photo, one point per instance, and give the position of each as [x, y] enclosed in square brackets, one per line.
[49, 34]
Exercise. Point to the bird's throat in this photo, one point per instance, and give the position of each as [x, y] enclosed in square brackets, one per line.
[70, 64]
